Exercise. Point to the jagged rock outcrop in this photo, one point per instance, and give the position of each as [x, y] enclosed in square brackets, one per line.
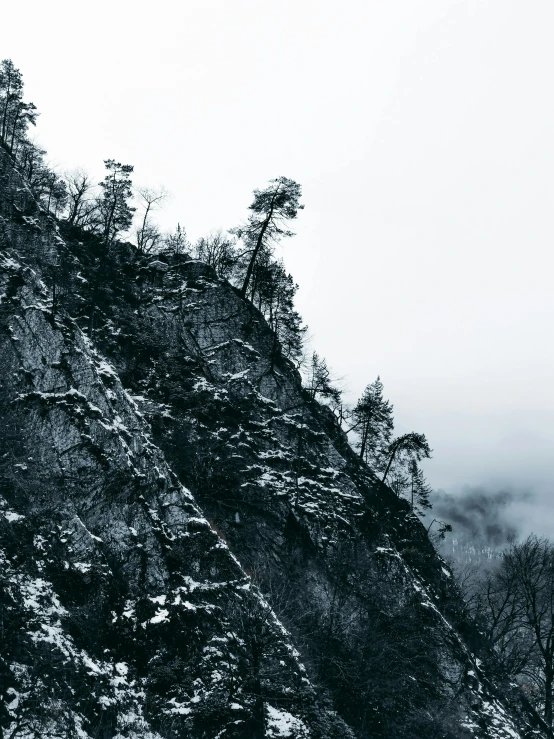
[135, 608]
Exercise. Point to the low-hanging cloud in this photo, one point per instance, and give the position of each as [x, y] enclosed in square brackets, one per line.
[482, 514]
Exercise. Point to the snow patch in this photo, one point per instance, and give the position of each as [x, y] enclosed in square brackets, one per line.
[12, 517]
[283, 724]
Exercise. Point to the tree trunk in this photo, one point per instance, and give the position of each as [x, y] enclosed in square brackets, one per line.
[548, 681]
[259, 242]
[274, 349]
[16, 117]
[254, 256]
[93, 301]
[391, 460]
[259, 717]
[5, 115]
[54, 296]
[108, 225]
[365, 434]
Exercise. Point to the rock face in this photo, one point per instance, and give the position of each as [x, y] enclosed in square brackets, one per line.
[189, 547]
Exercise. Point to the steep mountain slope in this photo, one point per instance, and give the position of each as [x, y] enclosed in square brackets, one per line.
[347, 566]
[123, 612]
[132, 608]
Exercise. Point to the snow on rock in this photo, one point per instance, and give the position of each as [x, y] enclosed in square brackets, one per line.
[281, 723]
[130, 588]
[124, 523]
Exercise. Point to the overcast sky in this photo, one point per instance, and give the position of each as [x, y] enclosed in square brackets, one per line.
[423, 136]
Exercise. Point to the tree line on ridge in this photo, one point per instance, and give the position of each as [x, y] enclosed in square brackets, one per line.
[114, 209]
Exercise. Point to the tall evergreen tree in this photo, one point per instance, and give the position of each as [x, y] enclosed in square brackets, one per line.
[113, 216]
[273, 290]
[399, 480]
[15, 114]
[373, 421]
[271, 209]
[405, 448]
[114, 209]
[319, 380]
[420, 490]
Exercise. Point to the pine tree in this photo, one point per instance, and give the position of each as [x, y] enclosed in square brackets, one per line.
[15, 114]
[420, 490]
[319, 380]
[412, 446]
[373, 420]
[273, 291]
[271, 209]
[399, 480]
[115, 213]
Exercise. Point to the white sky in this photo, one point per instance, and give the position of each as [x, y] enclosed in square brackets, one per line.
[423, 136]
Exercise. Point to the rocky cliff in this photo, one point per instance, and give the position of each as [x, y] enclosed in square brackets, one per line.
[189, 546]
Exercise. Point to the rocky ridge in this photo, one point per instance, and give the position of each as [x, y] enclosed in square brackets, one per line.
[189, 546]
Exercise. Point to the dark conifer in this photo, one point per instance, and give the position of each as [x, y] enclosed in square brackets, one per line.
[412, 446]
[420, 490]
[15, 114]
[373, 420]
[271, 209]
[319, 380]
[115, 212]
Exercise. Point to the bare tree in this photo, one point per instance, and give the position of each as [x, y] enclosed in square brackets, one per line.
[148, 234]
[516, 609]
[263, 663]
[81, 201]
[219, 251]
[440, 532]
